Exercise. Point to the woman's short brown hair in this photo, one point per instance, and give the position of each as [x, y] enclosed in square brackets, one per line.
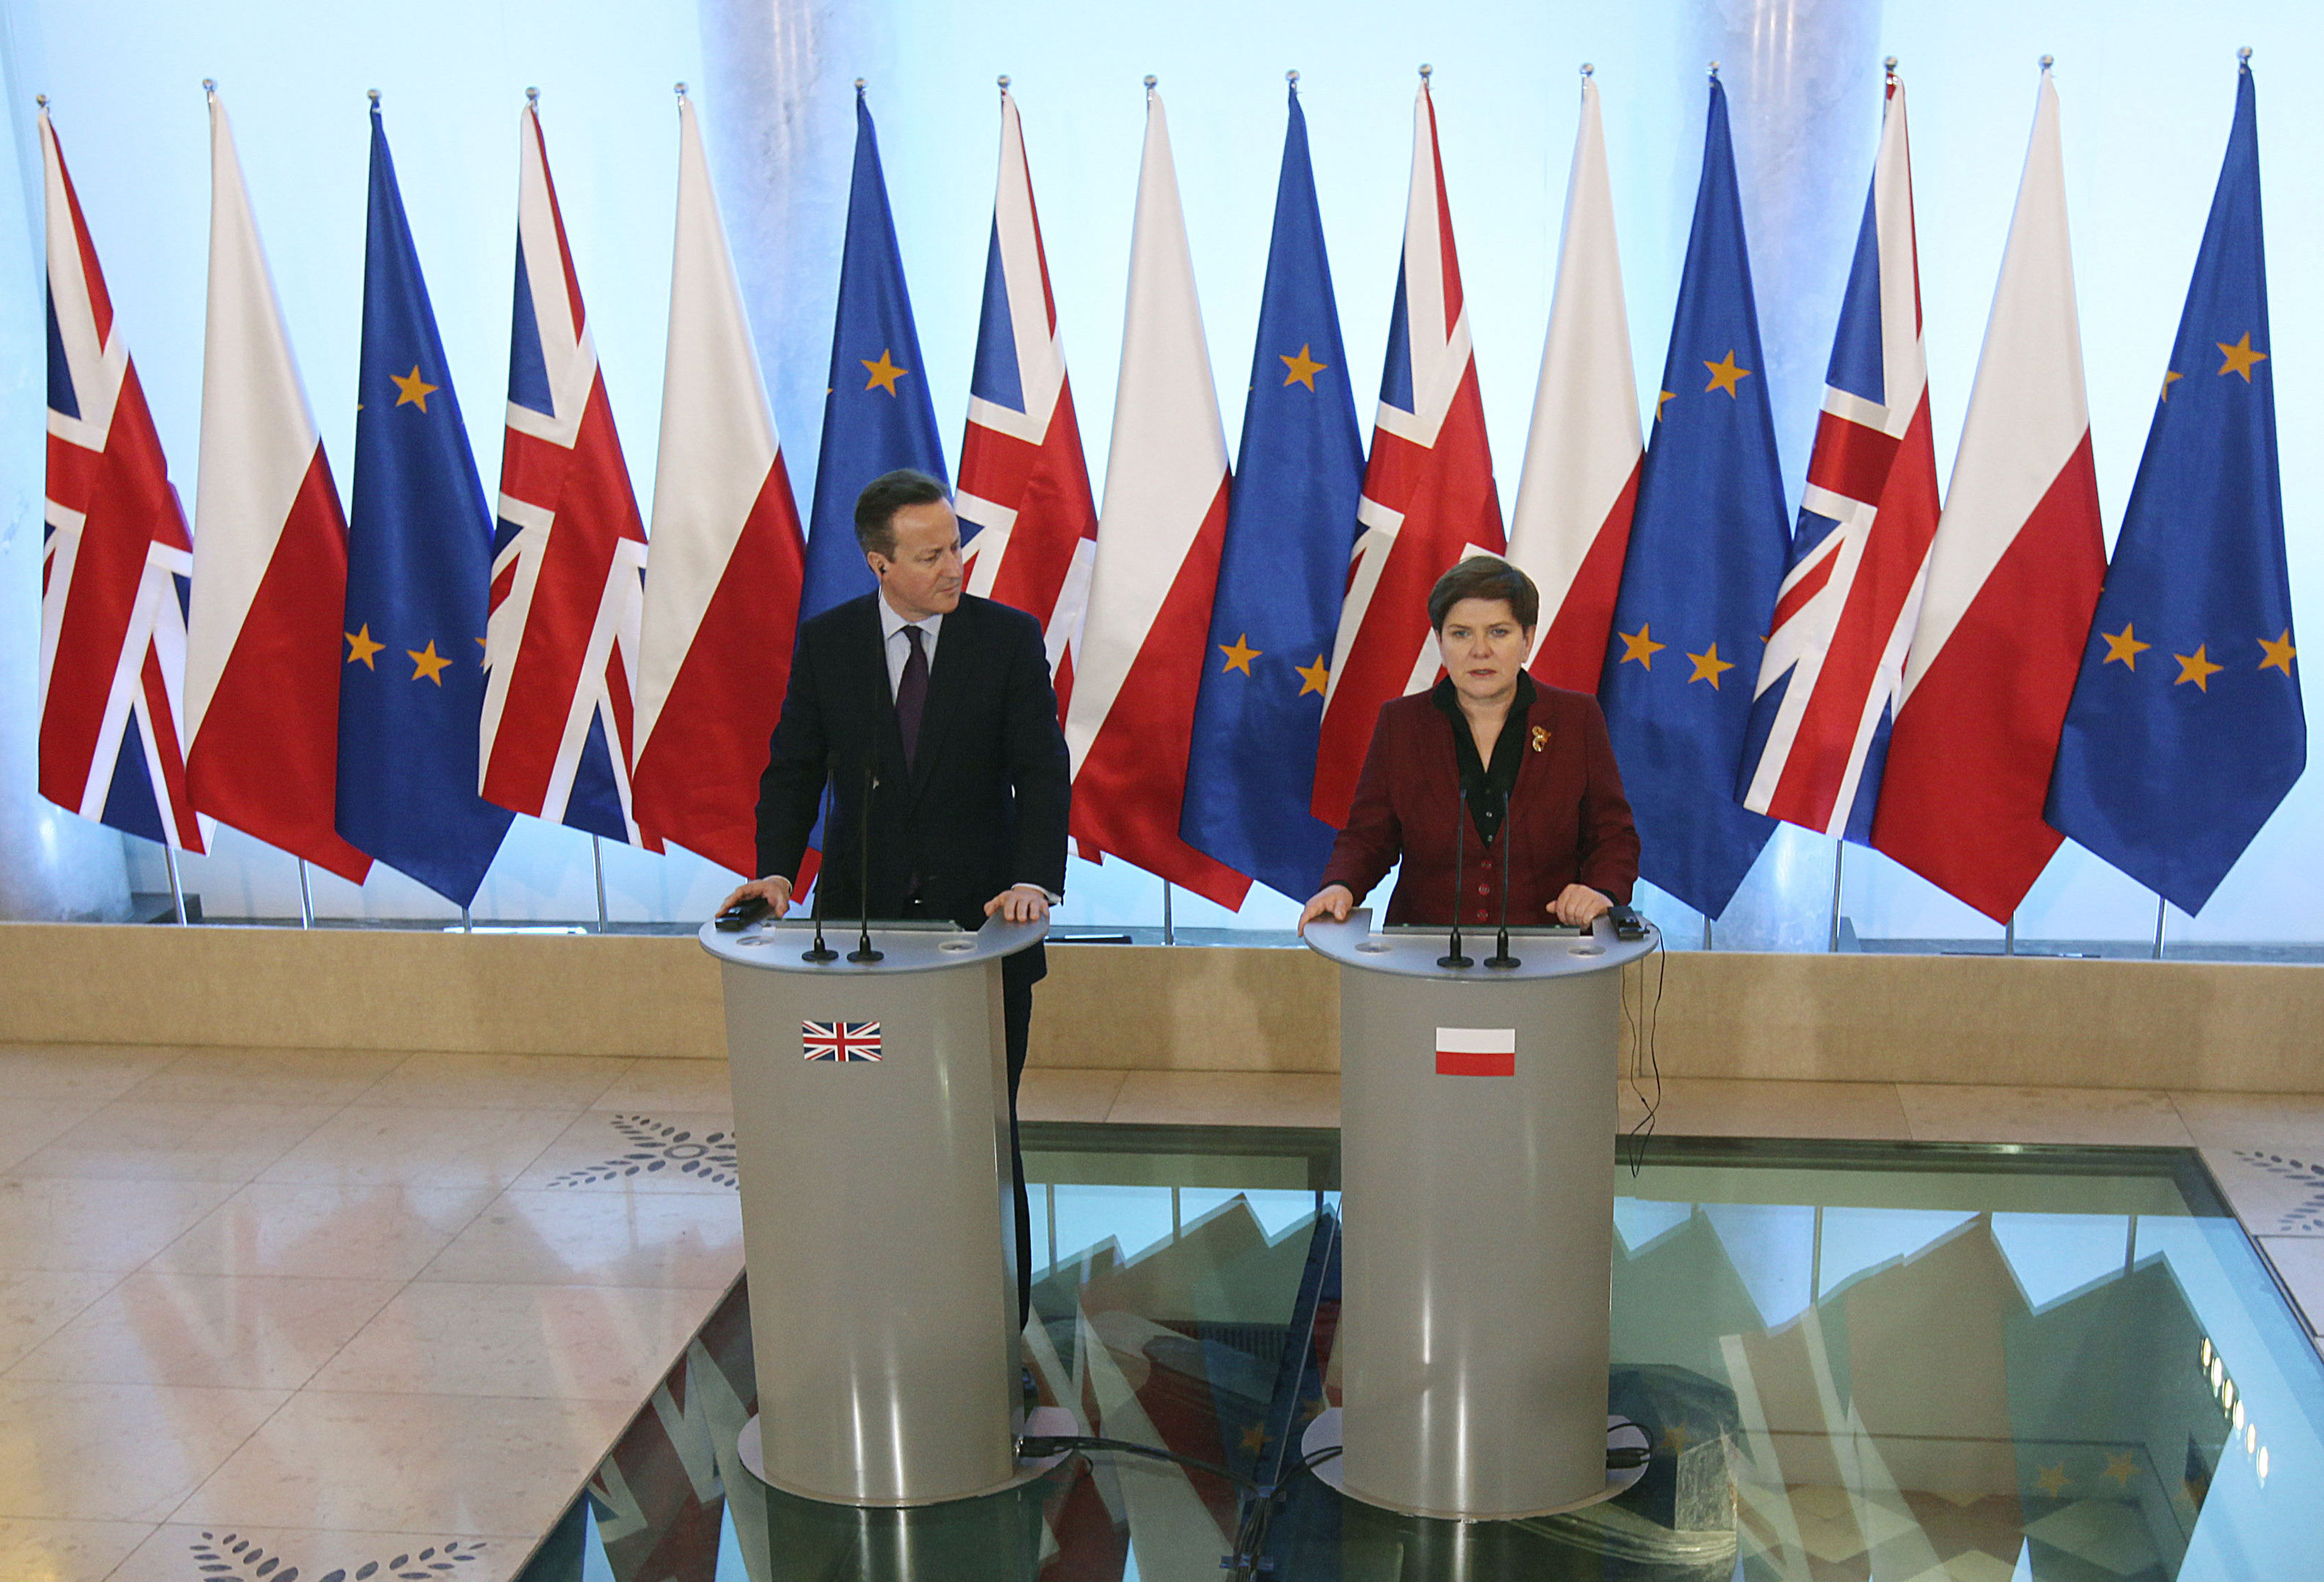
[1485, 577]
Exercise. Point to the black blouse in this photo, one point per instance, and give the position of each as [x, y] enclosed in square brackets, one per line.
[1487, 787]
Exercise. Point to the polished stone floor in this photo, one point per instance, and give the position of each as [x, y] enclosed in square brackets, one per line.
[327, 1310]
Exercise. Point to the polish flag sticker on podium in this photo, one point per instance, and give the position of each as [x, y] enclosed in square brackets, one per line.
[1476, 1052]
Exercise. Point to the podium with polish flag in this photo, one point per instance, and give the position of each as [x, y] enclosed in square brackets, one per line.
[871, 1130]
[1477, 1114]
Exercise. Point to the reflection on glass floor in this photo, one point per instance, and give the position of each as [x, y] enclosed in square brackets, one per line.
[1912, 1362]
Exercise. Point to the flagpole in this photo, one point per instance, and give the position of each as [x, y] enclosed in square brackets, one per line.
[306, 898]
[1839, 852]
[597, 861]
[2159, 905]
[467, 923]
[1706, 930]
[177, 890]
[1169, 934]
[2009, 936]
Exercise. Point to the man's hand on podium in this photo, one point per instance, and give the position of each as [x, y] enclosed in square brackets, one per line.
[776, 892]
[1578, 905]
[1332, 900]
[1020, 904]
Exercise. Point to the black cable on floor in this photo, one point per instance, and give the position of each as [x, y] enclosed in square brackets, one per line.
[1642, 1040]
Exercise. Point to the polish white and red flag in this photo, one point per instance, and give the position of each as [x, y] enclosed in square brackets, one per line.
[114, 560]
[2011, 582]
[1429, 498]
[1828, 677]
[1129, 726]
[1572, 523]
[722, 600]
[569, 553]
[1023, 494]
[264, 640]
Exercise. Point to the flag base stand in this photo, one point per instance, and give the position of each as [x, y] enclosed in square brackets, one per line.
[1041, 1422]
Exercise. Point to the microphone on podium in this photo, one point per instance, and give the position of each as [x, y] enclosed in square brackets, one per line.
[863, 953]
[820, 952]
[1500, 959]
[1453, 957]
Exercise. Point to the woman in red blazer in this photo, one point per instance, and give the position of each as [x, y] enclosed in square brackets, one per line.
[1533, 761]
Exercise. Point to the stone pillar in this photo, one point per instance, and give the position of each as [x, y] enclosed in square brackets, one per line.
[53, 864]
[1803, 85]
[779, 108]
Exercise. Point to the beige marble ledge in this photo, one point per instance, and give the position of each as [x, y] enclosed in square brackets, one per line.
[117, 1452]
[1051, 1093]
[2299, 1262]
[688, 1239]
[206, 1329]
[1714, 1106]
[222, 1076]
[496, 1466]
[1962, 1112]
[70, 1552]
[2284, 1122]
[174, 1550]
[66, 1071]
[1226, 1098]
[479, 1082]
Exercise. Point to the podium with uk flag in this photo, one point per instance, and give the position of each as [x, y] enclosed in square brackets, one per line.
[871, 1129]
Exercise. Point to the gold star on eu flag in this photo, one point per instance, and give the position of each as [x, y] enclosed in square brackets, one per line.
[2279, 652]
[884, 371]
[1640, 645]
[411, 389]
[360, 647]
[1709, 667]
[2240, 356]
[2124, 645]
[1302, 369]
[1312, 677]
[1239, 654]
[2196, 667]
[426, 663]
[1725, 376]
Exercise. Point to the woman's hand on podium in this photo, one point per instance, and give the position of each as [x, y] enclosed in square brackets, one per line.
[775, 891]
[1020, 904]
[1332, 900]
[1580, 906]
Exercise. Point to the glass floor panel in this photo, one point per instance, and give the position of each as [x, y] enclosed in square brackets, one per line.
[1855, 1363]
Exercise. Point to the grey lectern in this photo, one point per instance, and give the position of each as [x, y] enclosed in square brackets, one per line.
[1477, 1114]
[871, 1120]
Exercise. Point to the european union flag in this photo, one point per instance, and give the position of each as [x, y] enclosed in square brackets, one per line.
[2186, 728]
[412, 689]
[877, 416]
[1291, 526]
[1707, 551]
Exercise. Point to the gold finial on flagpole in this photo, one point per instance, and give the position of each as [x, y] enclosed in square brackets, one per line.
[1426, 72]
[1588, 70]
[1714, 71]
[210, 86]
[680, 89]
[532, 100]
[2244, 54]
[859, 88]
[41, 99]
[2048, 62]
[1003, 81]
[1150, 81]
[1889, 66]
[1293, 78]
[372, 95]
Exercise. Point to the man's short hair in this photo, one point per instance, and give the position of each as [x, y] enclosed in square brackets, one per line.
[882, 497]
[1485, 577]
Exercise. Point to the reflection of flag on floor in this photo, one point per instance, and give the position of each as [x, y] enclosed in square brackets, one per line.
[1706, 552]
[2186, 728]
[722, 602]
[1572, 524]
[839, 1041]
[1291, 520]
[570, 554]
[1024, 499]
[418, 558]
[263, 646]
[1428, 496]
[1829, 675]
[114, 563]
[2011, 579]
[878, 416]
[1129, 726]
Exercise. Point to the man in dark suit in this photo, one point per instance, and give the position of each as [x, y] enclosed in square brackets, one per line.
[941, 703]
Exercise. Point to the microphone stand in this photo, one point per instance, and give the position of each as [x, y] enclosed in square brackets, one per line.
[1460, 846]
[1500, 959]
[863, 953]
[822, 952]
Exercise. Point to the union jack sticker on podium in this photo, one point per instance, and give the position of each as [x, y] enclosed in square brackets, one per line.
[839, 1041]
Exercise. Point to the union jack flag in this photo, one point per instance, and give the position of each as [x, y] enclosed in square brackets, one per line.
[1429, 497]
[115, 561]
[1828, 680]
[839, 1041]
[568, 558]
[1023, 486]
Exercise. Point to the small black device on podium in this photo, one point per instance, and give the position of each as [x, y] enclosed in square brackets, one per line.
[1627, 923]
[742, 914]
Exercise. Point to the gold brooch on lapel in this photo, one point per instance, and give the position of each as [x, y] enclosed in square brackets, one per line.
[1540, 738]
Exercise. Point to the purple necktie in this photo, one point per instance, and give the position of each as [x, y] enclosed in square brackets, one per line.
[912, 693]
